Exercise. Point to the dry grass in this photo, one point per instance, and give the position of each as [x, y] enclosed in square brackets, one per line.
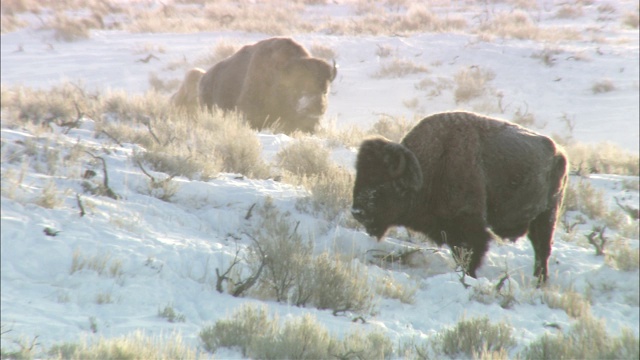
[623, 257]
[631, 19]
[305, 157]
[134, 346]
[259, 335]
[474, 336]
[397, 67]
[587, 339]
[323, 51]
[569, 11]
[573, 303]
[392, 128]
[602, 158]
[603, 86]
[390, 288]
[471, 83]
[518, 24]
[222, 50]
[67, 28]
[195, 145]
[330, 193]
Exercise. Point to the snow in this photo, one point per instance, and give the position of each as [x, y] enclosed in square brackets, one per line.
[168, 251]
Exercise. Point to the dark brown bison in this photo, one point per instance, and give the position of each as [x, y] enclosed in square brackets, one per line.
[459, 178]
[273, 83]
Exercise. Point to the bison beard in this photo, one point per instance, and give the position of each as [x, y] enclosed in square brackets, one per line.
[460, 178]
[273, 83]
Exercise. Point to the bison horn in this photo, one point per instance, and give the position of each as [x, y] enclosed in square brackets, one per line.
[403, 167]
[334, 70]
[395, 160]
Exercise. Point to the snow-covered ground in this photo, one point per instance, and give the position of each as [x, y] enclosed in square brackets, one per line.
[168, 251]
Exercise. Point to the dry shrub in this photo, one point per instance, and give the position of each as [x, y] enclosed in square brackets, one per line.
[239, 149]
[291, 273]
[260, 336]
[50, 197]
[623, 257]
[323, 51]
[330, 193]
[602, 158]
[163, 86]
[516, 24]
[569, 11]
[348, 136]
[471, 83]
[392, 128]
[305, 157]
[434, 87]
[222, 50]
[9, 23]
[474, 336]
[273, 18]
[574, 304]
[341, 287]
[547, 55]
[72, 29]
[399, 67]
[631, 19]
[287, 257]
[133, 346]
[603, 86]
[60, 104]
[388, 287]
[372, 19]
[587, 339]
[192, 144]
[419, 18]
[12, 7]
[384, 51]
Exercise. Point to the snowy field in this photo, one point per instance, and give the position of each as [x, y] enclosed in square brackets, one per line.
[167, 251]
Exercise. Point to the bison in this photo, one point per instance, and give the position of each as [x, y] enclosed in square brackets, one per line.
[187, 95]
[273, 83]
[460, 178]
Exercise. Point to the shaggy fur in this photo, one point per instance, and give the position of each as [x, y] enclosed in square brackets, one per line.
[187, 95]
[463, 179]
[273, 83]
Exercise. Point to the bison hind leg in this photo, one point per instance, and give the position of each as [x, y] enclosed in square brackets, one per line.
[541, 236]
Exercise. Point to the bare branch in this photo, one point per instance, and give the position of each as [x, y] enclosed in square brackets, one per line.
[601, 242]
[225, 276]
[112, 138]
[107, 190]
[82, 212]
[251, 280]
[633, 213]
[248, 216]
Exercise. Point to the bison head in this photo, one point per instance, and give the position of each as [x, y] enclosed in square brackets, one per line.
[302, 89]
[388, 179]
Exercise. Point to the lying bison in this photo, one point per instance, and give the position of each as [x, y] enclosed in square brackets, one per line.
[187, 95]
[459, 178]
[273, 83]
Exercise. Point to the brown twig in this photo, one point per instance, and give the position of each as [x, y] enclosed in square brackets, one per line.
[105, 182]
[82, 212]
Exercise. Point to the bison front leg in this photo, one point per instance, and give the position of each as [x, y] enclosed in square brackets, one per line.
[541, 235]
[469, 239]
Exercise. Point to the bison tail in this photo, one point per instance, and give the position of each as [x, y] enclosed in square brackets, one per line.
[559, 178]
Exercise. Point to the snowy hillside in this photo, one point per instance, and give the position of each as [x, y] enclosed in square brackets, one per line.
[78, 265]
